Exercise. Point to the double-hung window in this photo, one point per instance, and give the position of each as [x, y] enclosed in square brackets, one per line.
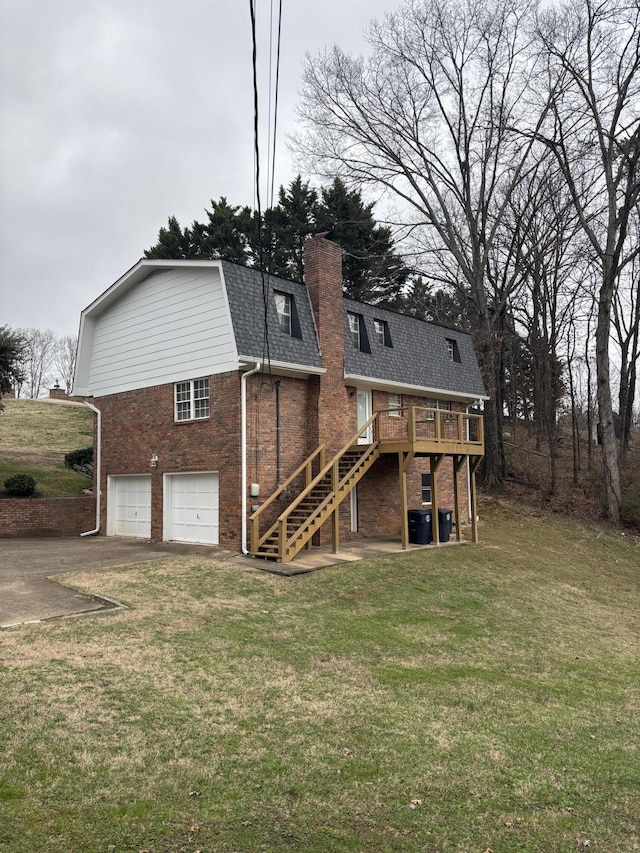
[395, 405]
[192, 400]
[444, 405]
[453, 350]
[354, 330]
[426, 487]
[283, 309]
[383, 336]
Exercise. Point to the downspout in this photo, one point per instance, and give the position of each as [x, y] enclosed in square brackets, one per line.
[469, 507]
[243, 452]
[278, 465]
[98, 472]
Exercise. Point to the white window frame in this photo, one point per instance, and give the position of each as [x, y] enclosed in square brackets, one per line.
[426, 487]
[378, 326]
[395, 405]
[443, 405]
[453, 350]
[191, 400]
[283, 310]
[354, 329]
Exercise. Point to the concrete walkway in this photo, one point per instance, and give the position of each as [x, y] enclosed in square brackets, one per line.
[27, 566]
[27, 593]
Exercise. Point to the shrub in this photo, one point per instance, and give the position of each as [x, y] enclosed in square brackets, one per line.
[20, 485]
[81, 461]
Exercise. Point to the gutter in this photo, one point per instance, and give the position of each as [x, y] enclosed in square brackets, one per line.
[243, 453]
[98, 472]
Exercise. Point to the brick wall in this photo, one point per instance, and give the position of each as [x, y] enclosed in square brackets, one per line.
[37, 517]
[138, 424]
[289, 414]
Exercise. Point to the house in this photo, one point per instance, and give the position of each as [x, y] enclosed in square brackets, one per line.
[326, 422]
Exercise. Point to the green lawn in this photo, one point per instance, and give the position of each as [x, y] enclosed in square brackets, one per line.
[34, 437]
[456, 699]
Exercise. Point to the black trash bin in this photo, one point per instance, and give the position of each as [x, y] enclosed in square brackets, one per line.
[444, 524]
[419, 526]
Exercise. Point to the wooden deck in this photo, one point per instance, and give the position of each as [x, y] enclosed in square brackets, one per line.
[429, 432]
[409, 432]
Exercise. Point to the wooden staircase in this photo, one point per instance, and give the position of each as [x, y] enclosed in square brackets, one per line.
[317, 501]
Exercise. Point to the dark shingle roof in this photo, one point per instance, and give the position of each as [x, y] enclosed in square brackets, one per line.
[246, 301]
[419, 354]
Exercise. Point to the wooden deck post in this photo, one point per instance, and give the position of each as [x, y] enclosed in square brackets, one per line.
[458, 462]
[403, 466]
[335, 515]
[473, 464]
[434, 464]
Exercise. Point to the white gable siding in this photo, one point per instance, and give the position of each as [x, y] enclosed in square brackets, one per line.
[172, 325]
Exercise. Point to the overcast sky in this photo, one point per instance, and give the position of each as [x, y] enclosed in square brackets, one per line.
[115, 114]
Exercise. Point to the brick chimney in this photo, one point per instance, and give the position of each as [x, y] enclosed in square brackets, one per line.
[331, 411]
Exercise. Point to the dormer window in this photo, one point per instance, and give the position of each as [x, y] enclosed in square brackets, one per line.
[358, 332]
[288, 322]
[283, 309]
[452, 350]
[383, 337]
[354, 330]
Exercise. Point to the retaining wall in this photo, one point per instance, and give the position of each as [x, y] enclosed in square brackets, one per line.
[24, 518]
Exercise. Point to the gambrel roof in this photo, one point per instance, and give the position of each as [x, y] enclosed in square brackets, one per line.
[417, 355]
[166, 321]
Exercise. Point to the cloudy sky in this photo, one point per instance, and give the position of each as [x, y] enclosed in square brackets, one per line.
[115, 114]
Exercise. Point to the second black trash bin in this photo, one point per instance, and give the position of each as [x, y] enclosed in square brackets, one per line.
[419, 526]
[444, 524]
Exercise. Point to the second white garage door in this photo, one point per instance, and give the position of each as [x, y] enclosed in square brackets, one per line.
[191, 508]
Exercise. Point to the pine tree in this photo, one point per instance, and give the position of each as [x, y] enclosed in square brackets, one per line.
[372, 270]
[173, 243]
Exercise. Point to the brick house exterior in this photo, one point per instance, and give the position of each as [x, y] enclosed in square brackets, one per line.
[286, 368]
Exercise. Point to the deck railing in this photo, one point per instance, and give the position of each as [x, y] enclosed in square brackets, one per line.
[427, 426]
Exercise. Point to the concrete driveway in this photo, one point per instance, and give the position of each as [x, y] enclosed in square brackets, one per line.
[27, 593]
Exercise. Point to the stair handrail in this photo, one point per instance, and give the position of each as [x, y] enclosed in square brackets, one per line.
[255, 517]
[373, 420]
[283, 542]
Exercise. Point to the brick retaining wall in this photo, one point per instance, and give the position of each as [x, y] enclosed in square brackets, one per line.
[23, 518]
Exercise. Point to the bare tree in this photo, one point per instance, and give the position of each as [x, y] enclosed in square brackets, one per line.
[626, 333]
[65, 360]
[548, 256]
[428, 118]
[592, 52]
[37, 360]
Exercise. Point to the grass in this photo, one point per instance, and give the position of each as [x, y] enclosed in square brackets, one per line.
[461, 699]
[34, 437]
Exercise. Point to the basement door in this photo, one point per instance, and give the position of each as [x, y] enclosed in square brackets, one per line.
[191, 508]
[129, 506]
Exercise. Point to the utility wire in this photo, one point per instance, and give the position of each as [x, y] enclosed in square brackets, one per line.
[256, 141]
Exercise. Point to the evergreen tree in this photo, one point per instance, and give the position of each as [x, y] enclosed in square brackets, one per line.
[294, 219]
[12, 347]
[225, 235]
[173, 243]
[372, 270]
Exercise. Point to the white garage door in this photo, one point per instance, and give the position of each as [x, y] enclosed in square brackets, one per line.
[130, 506]
[191, 508]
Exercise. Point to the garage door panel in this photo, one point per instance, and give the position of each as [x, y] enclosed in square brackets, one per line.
[191, 508]
[130, 506]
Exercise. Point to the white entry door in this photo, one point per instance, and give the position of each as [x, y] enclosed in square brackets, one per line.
[129, 506]
[191, 508]
[364, 413]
